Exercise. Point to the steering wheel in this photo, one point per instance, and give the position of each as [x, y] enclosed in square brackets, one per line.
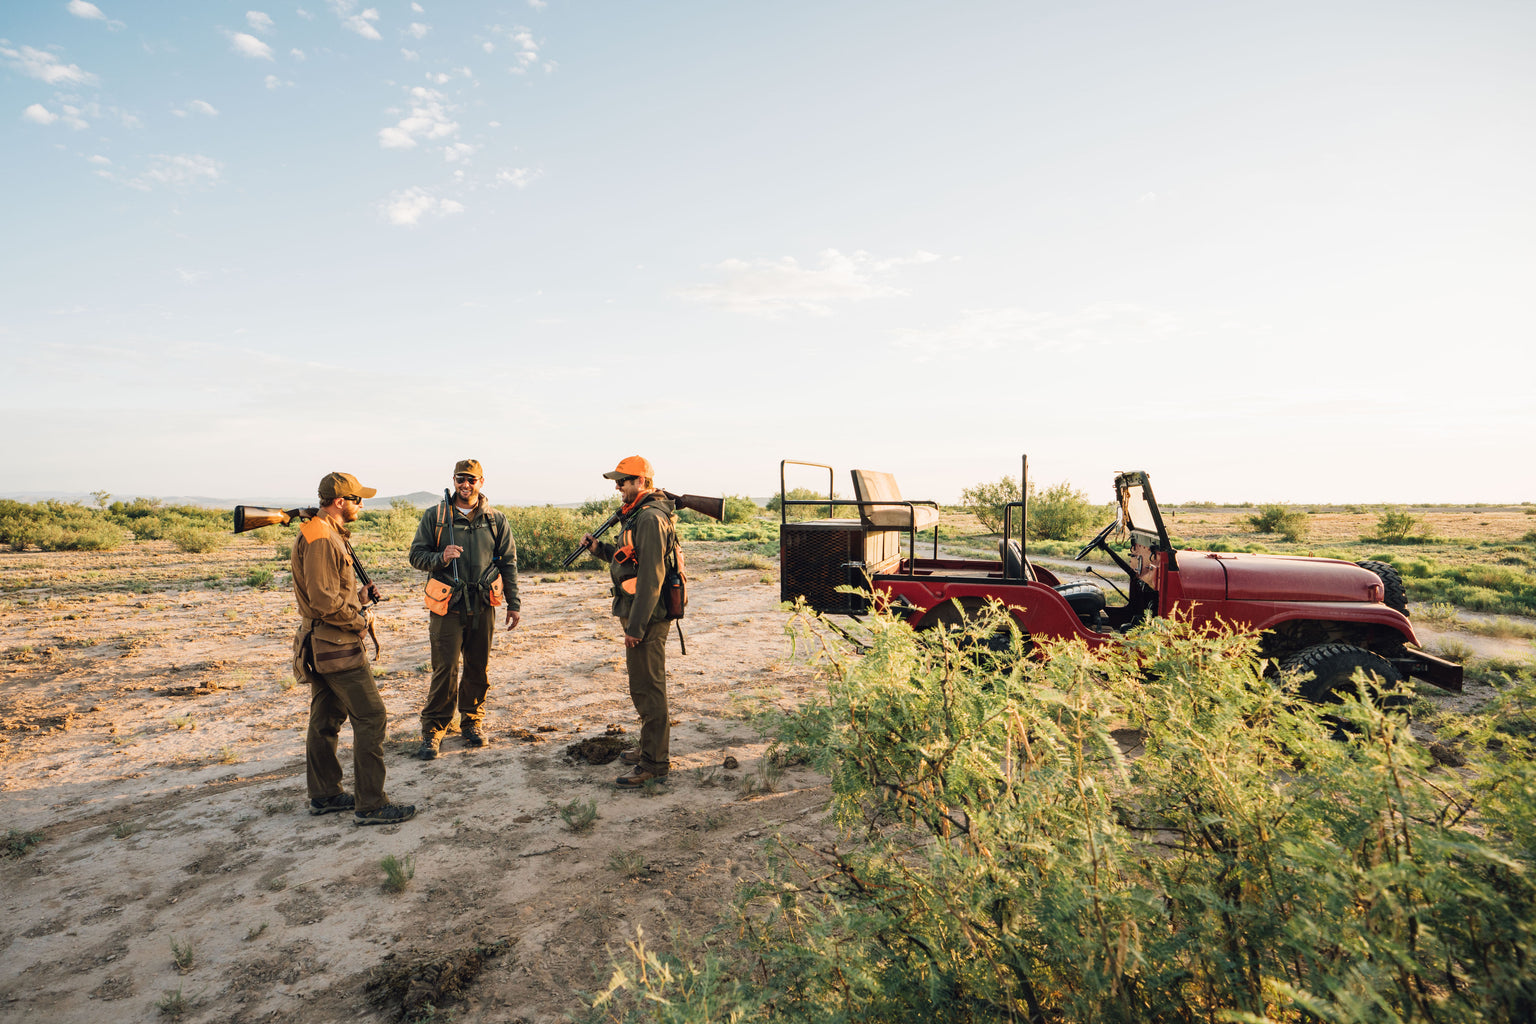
[1098, 542]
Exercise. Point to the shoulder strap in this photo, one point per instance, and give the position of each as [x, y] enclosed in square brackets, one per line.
[442, 520]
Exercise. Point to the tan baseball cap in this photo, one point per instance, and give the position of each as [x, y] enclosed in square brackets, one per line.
[633, 465]
[470, 466]
[343, 485]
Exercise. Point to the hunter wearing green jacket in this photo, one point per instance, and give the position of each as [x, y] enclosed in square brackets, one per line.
[637, 565]
[474, 540]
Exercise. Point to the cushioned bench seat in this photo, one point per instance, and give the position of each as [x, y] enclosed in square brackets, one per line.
[869, 485]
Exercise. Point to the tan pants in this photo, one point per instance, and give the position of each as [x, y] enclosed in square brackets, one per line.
[647, 666]
[452, 637]
[335, 697]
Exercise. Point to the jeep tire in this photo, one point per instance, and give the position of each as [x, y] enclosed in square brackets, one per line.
[1332, 667]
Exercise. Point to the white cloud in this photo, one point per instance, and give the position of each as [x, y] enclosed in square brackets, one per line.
[527, 50]
[99, 160]
[81, 9]
[248, 45]
[439, 77]
[457, 151]
[409, 54]
[202, 107]
[771, 287]
[71, 116]
[297, 54]
[273, 82]
[259, 21]
[43, 65]
[538, 5]
[428, 119]
[39, 114]
[519, 177]
[178, 171]
[192, 276]
[418, 9]
[407, 208]
[418, 30]
[362, 24]
[1104, 326]
[488, 47]
[301, 12]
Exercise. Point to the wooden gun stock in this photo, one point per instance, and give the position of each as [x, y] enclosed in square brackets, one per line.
[254, 517]
[712, 507]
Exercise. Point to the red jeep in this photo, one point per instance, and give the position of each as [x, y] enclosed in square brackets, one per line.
[1317, 615]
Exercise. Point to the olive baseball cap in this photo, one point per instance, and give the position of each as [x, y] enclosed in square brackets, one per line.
[470, 466]
[338, 485]
[634, 465]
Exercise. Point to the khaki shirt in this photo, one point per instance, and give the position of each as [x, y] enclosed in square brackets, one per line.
[324, 586]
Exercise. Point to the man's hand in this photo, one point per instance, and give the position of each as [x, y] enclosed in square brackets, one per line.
[451, 552]
[513, 618]
[373, 593]
[589, 542]
[631, 641]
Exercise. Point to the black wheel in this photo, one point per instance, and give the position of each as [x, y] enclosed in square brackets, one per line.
[1332, 666]
[1396, 595]
[959, 615]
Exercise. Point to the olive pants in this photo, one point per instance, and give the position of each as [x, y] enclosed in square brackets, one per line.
[647, 664]
[335, 697]
[451, 637]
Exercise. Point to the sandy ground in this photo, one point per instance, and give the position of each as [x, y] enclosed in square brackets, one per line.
[151, 736]
[150, 733]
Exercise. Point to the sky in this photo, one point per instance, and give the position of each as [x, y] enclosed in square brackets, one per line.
[1263, 251]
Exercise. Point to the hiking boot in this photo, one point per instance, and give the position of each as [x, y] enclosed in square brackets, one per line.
[428, 749]
[639, 777]
[388, 814]
[473, 737]
[332, 804]
[630, 756]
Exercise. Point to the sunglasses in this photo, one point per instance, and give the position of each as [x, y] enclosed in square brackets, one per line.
[464, 478]
[621, 481]
[354, 499]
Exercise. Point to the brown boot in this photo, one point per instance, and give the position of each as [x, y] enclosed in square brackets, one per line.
[630, 756]
[639, 777]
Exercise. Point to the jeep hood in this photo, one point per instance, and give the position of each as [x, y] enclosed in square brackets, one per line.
[1238, 577]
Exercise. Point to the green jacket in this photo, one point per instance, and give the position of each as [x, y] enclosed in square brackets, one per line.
[489, 550]
[649, 528]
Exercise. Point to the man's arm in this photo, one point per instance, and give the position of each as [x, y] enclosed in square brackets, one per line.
[424, 554]
[506, 561]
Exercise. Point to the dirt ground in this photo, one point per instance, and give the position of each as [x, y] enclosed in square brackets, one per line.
[150, 733]
[152, 738]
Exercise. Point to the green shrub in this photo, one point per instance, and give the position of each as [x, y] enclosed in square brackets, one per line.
[1394, 526]
[797, 512]
[546, 534]
[986, 501]
[600, 508]
[197, 541]
[1268, 518]
[739, 508]
[259, 578]
[1003, 860]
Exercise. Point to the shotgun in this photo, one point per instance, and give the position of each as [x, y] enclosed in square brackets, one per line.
[254, 517]
[712, 507]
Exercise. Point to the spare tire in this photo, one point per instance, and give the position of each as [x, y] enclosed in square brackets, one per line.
[1395, 595]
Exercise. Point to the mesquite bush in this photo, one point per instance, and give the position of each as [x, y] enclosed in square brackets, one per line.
[1157, 831]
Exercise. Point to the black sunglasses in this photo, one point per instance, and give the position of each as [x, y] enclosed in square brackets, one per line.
[354, 499]
[464, 478]
[621, 481]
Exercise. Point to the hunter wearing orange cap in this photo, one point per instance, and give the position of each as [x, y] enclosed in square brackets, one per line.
[637, 566]
[328, 654]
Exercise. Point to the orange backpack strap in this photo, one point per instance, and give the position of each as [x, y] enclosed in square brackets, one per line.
[442, 520]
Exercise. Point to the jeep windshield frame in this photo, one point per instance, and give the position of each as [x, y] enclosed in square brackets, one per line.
[1139, 512]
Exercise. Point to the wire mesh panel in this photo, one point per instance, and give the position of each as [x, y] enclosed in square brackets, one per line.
[817, 557]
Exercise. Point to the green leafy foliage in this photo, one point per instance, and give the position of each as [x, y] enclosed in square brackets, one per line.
[1394, 526]
[797, 512]
[1057, 513]
[1003, 858]
[545, 534]
[739, 508]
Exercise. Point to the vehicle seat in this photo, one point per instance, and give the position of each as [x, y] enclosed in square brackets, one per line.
[869, 485]
[1085, 599]
[1014, 566]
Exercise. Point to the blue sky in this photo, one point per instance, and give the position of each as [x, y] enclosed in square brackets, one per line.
[1263, 251]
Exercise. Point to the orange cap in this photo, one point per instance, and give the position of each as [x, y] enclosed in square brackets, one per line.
[633, 465]
[470, 466]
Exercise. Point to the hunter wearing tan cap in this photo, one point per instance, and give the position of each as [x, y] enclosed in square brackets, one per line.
[328, 654]
[637, 566]
[471, 558]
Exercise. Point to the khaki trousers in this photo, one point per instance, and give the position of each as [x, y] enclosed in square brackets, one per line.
[451, 637]
[647, 666]
[334, 698]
